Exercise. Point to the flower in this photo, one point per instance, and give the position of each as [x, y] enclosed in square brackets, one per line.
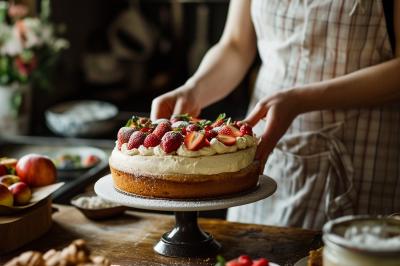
[17, 11]
[29, 46]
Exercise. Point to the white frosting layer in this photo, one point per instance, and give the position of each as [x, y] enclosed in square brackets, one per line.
[173, 164]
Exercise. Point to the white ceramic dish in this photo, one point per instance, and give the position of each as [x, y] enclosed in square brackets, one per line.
[83, 152]
[302, 262]
[81, 118]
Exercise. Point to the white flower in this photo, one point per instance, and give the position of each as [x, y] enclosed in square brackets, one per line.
[12, 44]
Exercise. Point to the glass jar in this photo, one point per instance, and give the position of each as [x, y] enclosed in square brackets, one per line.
[362, 241]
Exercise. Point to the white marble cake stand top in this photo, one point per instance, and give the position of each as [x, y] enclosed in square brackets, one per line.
[104, 187]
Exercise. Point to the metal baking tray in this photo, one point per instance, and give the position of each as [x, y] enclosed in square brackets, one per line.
[75, 181]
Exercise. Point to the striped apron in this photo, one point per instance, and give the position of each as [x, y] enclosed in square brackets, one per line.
[335, 162]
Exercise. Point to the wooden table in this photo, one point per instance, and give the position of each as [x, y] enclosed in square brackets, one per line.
[129, 239]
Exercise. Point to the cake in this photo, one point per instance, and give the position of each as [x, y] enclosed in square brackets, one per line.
[184, 158]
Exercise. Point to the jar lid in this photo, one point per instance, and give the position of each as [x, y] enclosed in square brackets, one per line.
[377, 235]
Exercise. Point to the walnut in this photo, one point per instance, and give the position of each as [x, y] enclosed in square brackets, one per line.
[76, 254]
[29, 258]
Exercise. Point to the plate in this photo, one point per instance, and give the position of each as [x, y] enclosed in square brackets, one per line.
[82, 118]
[38, 194]
[99, 213]
[302, 262]
[104, 187]
[83, 152]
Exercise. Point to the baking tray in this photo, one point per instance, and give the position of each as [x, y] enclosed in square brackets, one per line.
[76, 181]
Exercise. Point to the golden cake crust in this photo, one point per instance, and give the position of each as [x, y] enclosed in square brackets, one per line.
[184, 186]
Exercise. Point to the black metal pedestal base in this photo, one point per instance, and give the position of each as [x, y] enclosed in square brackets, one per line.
[187, 239]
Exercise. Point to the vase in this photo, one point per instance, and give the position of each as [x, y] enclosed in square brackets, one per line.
[15, 108]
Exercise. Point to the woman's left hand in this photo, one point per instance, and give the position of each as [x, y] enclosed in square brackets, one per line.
[278, 110]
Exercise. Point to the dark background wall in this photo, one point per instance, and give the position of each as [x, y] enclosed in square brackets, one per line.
[131, 83]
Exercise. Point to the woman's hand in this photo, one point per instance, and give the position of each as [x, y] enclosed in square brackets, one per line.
[278, 110]
[179, 101]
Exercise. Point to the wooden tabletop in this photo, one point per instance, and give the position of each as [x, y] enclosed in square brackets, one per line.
[129, 239]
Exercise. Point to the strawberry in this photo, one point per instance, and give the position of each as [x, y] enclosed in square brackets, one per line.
[194, 140]
[227, 140]
[146, 129]
[245, 260]
[3, 170]
[206, 143]
[161, 129]
[136, 139]
[124, 134]
[260, 262]
[217, 123]
[208, 128]
[182, 117]
[171, 141]
[246, 130]
[237, 124]
[230, 130]
[192, 127]
[210, 134]
[180, 124]
[183, 131]
[233, 263]
[151, 140]
[90, 160]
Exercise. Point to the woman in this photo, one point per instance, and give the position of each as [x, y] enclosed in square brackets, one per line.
[324, 104]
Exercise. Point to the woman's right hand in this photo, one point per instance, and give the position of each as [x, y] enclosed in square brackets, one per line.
[179, 101]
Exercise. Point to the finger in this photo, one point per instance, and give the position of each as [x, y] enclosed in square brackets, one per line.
[161, 108]
[269, 138]
[180, 107]
[258, 112]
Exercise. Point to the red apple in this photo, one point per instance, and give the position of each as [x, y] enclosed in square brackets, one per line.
[21, 192]
[3, 170]
[8, 180]
[6, 197]
[36, 170]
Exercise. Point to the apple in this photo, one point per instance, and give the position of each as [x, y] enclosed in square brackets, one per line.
[8, 162]
[3, 170]
[21, 192]
[36, 170]
[6, 197]
[8, 180]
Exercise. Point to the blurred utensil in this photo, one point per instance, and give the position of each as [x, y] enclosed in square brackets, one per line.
[81, 118]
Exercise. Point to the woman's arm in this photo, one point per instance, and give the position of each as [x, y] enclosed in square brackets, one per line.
[371, 86]
[220, 71]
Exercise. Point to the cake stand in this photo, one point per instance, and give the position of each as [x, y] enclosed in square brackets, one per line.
[186, 239]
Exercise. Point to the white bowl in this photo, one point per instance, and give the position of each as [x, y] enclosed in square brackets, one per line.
[81, 118]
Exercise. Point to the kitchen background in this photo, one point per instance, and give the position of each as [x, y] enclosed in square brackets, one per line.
[128, 52]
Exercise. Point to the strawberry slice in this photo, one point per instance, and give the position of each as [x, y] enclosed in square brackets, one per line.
[226, 139]
[230, 130]
[194, 140]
